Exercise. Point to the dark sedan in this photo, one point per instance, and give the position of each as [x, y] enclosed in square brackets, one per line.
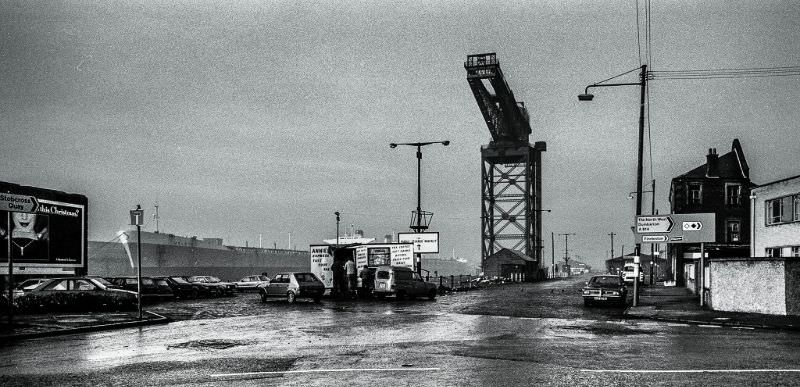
[72, 294]
[182, 288]
[153, 290]
[605, 289]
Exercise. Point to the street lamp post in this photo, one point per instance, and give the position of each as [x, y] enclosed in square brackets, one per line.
[419, 227]
[643, 85]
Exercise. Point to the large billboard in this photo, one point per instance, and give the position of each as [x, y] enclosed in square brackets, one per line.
[43, 230]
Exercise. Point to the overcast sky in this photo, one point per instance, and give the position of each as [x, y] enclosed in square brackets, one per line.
[261, 117]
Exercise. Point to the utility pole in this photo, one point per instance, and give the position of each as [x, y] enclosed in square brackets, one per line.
[156, 217]
[612, 244]
[553, 252]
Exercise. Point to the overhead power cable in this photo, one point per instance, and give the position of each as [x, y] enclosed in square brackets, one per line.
[755, 72]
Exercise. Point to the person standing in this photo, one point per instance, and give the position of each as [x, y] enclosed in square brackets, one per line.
[350, 270]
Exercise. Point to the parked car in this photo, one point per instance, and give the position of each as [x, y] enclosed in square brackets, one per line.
[605, 289]
[628, 273]
[27, 285]
[76, 294]
[401, 282]
[182, 288]
[251, 283]
[152, 290]
[293, 286]
[213, 285]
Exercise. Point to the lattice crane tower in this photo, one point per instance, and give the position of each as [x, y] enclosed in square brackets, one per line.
[511, 168]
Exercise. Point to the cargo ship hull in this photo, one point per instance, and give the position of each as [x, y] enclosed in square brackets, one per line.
[166, 254]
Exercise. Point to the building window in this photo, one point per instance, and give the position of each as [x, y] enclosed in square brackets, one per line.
[797, 208]
[782, 210]
[733, 194]
[773, 251]
[695, 191]
[796, 251]
[733, 231]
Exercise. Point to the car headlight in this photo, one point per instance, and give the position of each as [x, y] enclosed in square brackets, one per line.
[613, 293]
[586, 292]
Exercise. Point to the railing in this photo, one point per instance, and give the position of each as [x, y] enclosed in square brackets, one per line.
[453, 282]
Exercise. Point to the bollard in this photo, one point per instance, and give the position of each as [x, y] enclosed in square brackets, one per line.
[451, 281]
[440, 282]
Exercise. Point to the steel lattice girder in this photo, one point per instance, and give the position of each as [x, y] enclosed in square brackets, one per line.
[509, 208]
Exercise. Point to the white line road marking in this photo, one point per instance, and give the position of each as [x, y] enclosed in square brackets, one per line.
[322, 371]
[689, 371]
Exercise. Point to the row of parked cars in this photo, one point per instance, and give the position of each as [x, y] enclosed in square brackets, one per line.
[104, 293]
[117, 293]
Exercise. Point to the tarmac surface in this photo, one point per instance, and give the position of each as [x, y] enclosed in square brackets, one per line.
[657, 302]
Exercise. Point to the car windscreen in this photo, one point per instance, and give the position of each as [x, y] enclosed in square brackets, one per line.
[605, 281]
[305, 277]
[103, 281]
[179, 280]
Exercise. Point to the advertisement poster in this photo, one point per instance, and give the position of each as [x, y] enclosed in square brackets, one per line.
[403, 255]
[321, 260]
[51, 236]
[378, 256]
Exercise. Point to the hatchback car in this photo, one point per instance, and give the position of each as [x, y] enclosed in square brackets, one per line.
[293, 286]
[605, 289]
[401, 282]
[76, 294]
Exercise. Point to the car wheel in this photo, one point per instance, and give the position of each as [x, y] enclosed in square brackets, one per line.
[194, 294]
[401, 295]
[263, 296]
[432, 294]
[380, 296]
[587, 302]
[290, 297]
[317, 299]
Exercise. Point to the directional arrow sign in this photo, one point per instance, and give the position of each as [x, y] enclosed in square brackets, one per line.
[18, 203]
[691, 228]
[654, 238]
[653, 224]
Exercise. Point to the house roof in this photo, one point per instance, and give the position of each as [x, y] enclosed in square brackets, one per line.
[731, 165]
[515, 253]
[778, 181]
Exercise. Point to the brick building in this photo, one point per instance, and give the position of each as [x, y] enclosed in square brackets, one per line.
[776, 219]
[720, 186]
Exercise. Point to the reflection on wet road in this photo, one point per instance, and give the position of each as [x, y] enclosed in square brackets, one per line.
[506, 335]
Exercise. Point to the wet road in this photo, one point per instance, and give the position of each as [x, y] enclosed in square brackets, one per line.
[517, 334]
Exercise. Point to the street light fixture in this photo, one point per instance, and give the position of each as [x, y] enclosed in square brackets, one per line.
[586, 96]
[419, 227]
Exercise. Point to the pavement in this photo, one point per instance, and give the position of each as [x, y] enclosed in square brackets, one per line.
[656, 302]
[53, 324]
[677, 304]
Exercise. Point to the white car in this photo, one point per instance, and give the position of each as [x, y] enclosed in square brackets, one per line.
[251, 283]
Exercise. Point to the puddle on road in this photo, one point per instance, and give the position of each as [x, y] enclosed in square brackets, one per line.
[208, 344]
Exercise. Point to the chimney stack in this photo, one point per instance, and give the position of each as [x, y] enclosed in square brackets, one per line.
[712, 163]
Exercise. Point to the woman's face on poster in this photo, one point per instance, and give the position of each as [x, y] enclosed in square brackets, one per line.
[24, 221]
